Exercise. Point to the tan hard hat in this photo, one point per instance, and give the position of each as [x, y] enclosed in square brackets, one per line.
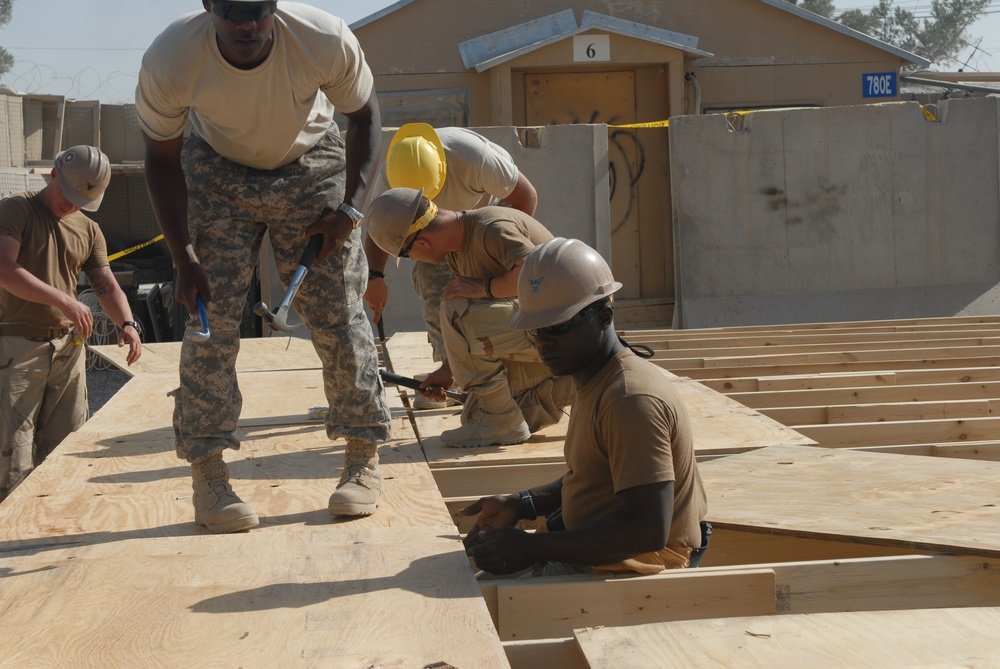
[416, 160]
[390, 216]
[558, 279]
[84, 174]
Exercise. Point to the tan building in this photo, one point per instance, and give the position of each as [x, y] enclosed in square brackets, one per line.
[479, 63]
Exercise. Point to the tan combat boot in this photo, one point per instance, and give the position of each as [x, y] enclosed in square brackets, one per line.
[360, 485]
[216, 506]
[496, 420]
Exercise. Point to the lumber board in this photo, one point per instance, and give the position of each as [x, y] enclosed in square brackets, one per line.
[883, 412]
[942, 505]
[923, 637]
[665, 341]
[852, 356]
[829, 397]
[842, 435]
[814, 586]
[835, 367]
[531, 610]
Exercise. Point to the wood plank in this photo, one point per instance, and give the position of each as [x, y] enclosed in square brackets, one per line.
[837, 367]
[532, 610]
[827, 397]
[923, 637]
[924, 504]
[884, 412]
[736, 548]
[904, 432]
[664, 341]
[851, 356]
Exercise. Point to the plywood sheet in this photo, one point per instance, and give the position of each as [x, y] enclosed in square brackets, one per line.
[961, 637]
[927, 504]
[329, 595]
[256, 354]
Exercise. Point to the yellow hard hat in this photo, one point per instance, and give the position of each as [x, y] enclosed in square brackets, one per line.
[416, 160]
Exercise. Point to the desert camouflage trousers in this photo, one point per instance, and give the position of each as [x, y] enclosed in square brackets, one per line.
[230, 208]
[484, 351]
[43, 397]
[429, 281]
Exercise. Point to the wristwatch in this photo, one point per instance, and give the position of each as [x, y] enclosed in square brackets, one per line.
[135, 324]
[352, 213]
[528, 505]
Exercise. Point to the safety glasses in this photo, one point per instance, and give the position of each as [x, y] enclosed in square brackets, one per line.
[241, 12]
[566, 326]
[405, 253]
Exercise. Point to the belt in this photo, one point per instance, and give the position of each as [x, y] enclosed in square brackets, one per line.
[32, 331]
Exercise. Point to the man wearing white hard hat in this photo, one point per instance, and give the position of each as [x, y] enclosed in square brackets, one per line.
[259, 82]
[511, 393]
[458, 169]
[632, 500]
[45, 242]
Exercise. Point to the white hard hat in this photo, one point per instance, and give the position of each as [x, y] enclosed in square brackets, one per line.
[557, 280]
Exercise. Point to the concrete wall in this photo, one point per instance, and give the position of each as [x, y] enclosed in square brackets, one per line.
[568, 165]
[834, 214]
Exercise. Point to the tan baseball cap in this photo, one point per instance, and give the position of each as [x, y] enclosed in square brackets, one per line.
[84, 174]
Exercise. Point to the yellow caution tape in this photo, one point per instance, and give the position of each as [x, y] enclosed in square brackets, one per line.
[928, 114]
[665, 124]
[116, 256]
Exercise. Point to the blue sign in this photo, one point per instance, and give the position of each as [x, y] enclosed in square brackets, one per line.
[879, 85]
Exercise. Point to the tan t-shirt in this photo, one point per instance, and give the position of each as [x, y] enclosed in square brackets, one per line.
[629, 427]
[53, 250]
[265, 117]
[479, 172]
[495, 238]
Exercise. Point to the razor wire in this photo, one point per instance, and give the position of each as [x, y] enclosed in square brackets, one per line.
[103, 332]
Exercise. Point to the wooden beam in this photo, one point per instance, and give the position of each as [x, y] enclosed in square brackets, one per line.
[554, 607]
[931, 392]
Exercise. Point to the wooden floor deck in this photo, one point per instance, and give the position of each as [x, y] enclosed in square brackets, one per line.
[100, 564]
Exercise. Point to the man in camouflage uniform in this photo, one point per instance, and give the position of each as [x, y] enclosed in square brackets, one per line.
[511, 392]
[259, 162]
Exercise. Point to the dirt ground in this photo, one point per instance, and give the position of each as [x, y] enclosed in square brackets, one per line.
[102, 385]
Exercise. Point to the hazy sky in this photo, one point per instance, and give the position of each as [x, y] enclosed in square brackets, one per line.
[91, 49]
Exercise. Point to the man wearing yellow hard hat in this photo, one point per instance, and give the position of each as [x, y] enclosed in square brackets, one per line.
[458, 170]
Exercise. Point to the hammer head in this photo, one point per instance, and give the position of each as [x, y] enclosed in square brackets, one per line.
[277, 320]
[280, 320]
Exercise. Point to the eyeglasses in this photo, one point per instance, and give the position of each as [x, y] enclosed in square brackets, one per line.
[405, 253]
[240, 12]
[566, 326]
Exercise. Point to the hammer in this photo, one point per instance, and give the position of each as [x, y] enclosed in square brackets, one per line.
[407, 382]
[279, 319]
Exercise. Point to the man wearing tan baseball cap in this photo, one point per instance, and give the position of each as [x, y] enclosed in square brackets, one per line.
[45, 242]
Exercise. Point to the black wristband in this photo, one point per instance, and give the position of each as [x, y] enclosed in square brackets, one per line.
[528, 504]
[489, 288]
[375, 274]
[134, 324]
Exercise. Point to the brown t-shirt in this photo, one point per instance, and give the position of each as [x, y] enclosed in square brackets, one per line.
[629, 427]
[495, 238]
[53, 250]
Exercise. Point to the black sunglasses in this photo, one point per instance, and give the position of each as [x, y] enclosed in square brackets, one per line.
[566, 326]
[405, 253]
[239, 12]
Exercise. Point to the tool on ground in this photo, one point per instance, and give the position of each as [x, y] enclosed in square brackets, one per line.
[206, 332]
[407, 382]
[279, 319]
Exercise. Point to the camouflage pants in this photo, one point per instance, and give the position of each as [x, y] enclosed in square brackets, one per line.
[43, 397]
[429, 280]
[484, 351]
[230, 207]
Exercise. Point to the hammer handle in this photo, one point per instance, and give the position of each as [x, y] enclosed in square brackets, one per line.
[312, 248]
[407, 382]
